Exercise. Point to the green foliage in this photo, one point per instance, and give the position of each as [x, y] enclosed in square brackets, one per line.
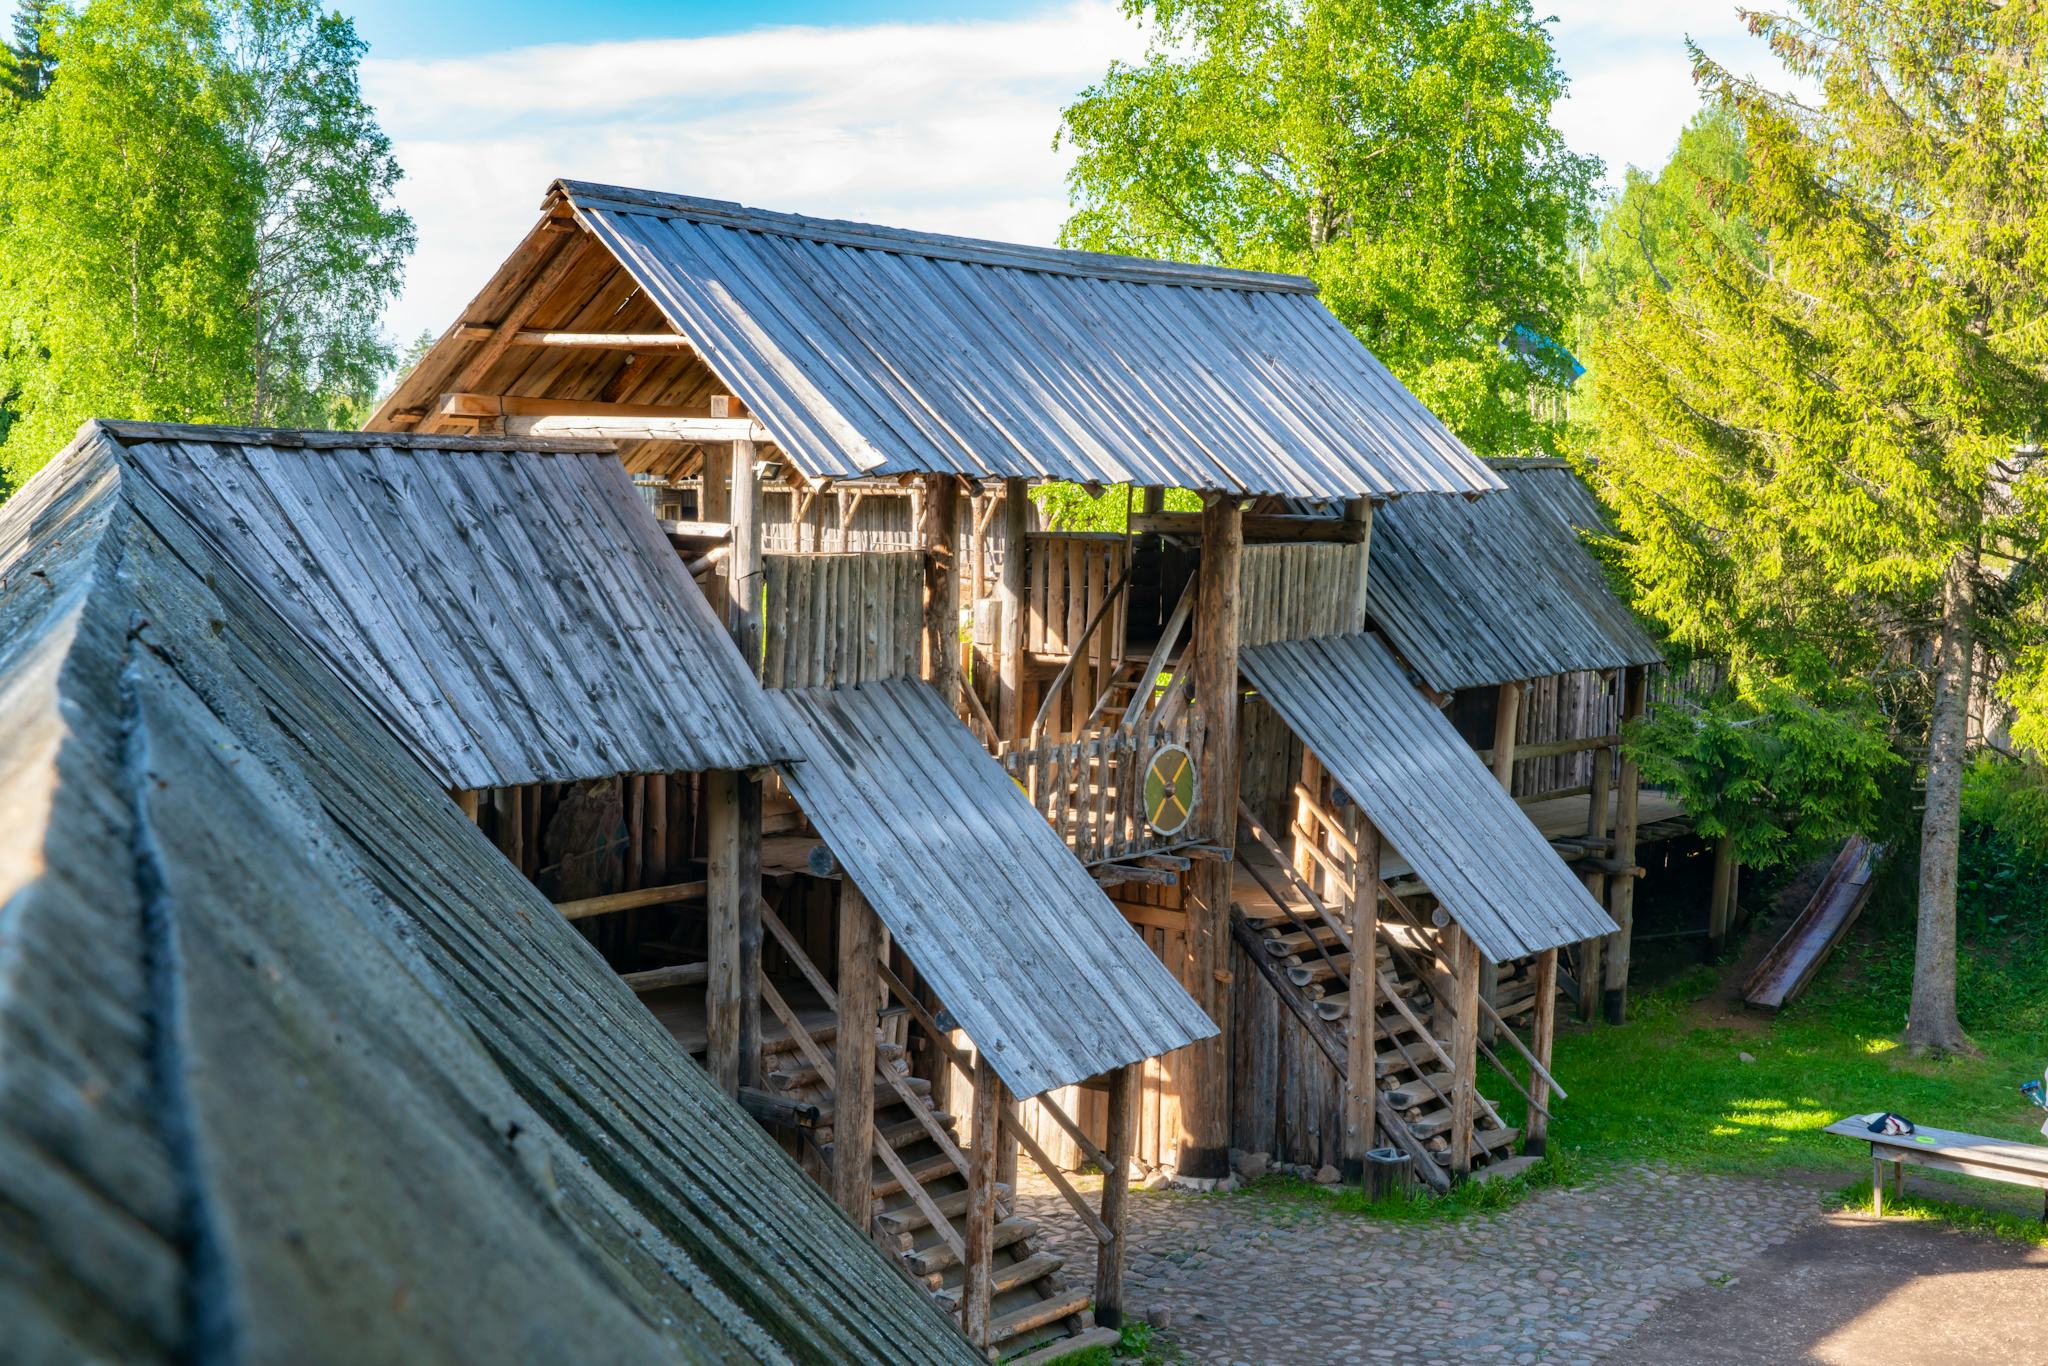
[1136, 1344]
[1069, 507]
[2008, 800]
[1803, 407]
[1783, 775]
[27, 64]
[2026, 1229]
[1398, 152]
[196, 223]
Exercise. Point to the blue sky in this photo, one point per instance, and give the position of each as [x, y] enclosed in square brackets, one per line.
[937, 114]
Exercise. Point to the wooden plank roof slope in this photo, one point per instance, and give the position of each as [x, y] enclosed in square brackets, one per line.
[293, 1065]
[1498, 590]
[512, 608]
[1002, 921]
[1416, 779]
[866, 350]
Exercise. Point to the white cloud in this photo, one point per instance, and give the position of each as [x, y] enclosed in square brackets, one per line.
[944, 126]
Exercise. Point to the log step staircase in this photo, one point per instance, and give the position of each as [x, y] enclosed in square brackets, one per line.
[1034, 1316]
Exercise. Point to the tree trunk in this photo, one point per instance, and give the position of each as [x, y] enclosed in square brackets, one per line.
[1932, 1026]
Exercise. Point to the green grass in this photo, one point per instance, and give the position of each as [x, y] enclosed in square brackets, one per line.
[1418, 1204]
[2013, 1228]
[1138, 1344]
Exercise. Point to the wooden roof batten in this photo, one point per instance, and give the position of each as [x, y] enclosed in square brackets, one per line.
[870, 351]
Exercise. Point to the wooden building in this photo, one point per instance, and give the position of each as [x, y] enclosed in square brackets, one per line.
[1507, 618]
[293, 1064]
[744, 360]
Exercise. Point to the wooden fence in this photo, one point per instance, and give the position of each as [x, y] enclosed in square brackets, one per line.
[832, 619]
[1092, 789]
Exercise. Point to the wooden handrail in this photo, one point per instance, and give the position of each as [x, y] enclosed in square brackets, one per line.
[1052, 689]
[1155, 663]
[626, 901]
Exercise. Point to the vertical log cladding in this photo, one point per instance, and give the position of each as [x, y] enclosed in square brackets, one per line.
[853, 1086]
[942, 586]
[1622, 903]
[1010, 594]
[1205, 1089]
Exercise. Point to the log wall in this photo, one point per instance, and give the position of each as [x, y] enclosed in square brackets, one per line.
[1293, 591]
[835, 619]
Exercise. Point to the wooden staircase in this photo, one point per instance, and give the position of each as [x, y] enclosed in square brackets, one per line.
[1034, 1316]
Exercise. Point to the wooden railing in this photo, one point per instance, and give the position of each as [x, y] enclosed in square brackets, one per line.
[1092, 789]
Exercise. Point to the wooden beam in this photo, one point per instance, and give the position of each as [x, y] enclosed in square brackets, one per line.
[1256, 526]
[1205, 1075]
[566, 257]
[562, 417]
[1551, 749]
[585, 907]
[981, 1202]
[1591, 950]
[1010, 598]
[1622, 890]
[743, 611]
[724, 950]
[1119, 1136]
[853, 1086]
[1464, 1046]
[609, 341]
[1536, 1134]
[1361, 1023]
[679, 975]
[942, 586]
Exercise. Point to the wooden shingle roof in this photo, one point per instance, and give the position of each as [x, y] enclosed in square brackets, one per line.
[293, 1064]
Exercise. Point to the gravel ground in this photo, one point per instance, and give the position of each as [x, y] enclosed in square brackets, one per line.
[1565, 1276]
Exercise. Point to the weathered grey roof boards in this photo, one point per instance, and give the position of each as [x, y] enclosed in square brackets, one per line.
[1497, 590]
[512, 609]
[293, 1065]
[1417, 780]
[1019, 943]
[867, 350]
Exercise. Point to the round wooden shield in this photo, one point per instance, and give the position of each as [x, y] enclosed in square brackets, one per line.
[1170, 789]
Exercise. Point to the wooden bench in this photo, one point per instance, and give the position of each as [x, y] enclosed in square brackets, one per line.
[1993, 1159]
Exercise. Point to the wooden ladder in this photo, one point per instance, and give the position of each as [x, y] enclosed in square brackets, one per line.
[920, 1190]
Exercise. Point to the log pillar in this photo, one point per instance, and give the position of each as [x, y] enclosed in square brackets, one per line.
[1010, 595]
[1205, 1071]
[1536, 1136]
[1718, 898]
[1622, 893]
[1358, 514]
[1119, 1137]
[1507, 717]
[1596, 883]
[942, 586]
[1464, 1044]
[1361, 1075]
[979, 1234]
[743, 613]
[727, 899]
[853, 1082]
[714, 505]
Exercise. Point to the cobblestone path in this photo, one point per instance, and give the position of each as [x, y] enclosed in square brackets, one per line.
[1565, 1276]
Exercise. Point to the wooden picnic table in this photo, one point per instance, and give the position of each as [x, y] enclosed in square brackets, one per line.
[1993, 1159]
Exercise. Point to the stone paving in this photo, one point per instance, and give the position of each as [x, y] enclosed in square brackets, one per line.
[1565, 1276]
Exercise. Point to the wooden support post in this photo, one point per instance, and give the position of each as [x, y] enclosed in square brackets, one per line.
[1205, 1075]
[1358, 512]
[942, 586]
[1010, 596]
[1361, 1079]
[1507, 716]
[1596, 883]
[853, 1084]
[1119, 1137]
[466, 799]
[1536, 1134]
[1718, 898]
[1622, 889]
[743, 613]
[1464, 1046]
[714, 505]
[979, 1234]
[724, 892]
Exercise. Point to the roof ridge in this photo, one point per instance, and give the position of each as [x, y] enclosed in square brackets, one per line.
[942, 246]
[126, 431]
